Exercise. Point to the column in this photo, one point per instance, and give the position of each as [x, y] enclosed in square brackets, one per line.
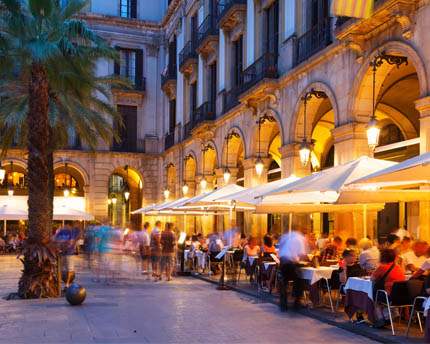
[221, 59]
[423, 107]
[350, 142]
[255, 224]
[223, 221]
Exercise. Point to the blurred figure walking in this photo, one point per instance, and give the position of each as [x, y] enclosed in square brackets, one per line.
[291, 251]
[145, 251]
[156, 249]
[168, 246]
[66, 238]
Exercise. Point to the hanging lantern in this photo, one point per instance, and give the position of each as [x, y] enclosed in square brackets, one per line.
[305, 152]
[10, 191]
[2, 173]
[185, 189]
[203, 183]
[66, 191]
[259, 166]
[227, 175]
[166, 193]
[109, 201]
[126, 193]
[114, 200]
[372, 132]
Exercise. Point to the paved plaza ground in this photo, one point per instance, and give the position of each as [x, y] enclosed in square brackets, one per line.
[185, 310]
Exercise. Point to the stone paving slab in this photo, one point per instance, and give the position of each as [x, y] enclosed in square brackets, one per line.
[185, 310]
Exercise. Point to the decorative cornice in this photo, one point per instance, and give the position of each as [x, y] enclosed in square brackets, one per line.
[95, 18]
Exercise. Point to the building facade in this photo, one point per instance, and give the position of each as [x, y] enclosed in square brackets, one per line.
[222, 83]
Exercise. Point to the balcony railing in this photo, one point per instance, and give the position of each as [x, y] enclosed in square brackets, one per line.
[189, 52]
[169, 141]
[205, 112]
[129, 147]
[138, 84]
[314, 40]
[207, 28]
[223, 7]
[187, 129]
[230, 99]
[265, 67]
[169, 74]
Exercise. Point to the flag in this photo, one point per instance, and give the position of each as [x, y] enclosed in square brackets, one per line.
[352, 8]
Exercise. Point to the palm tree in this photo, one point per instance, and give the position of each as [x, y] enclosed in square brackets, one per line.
[49, 85]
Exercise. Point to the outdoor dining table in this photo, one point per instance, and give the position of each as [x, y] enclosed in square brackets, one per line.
[359, 296]
[314, 275]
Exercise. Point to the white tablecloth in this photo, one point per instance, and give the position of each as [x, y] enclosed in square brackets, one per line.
[315, 274]
[360, 284]
[266, 265]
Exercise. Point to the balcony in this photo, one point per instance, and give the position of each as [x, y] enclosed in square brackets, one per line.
[138, 84]
[169, 141]
[357, 29]
[127, 146]
[205, 112]
[187, 130]
[207, 36]
[230, 13]
[188, 57]
[230, 99]
[168, 79]
[265, 67]
[313, 41]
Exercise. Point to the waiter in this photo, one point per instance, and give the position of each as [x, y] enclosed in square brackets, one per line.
[292, 249]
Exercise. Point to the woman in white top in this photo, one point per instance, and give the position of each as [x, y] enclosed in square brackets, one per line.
[251, 250]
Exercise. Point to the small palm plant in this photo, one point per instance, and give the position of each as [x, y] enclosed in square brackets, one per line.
[49, 87]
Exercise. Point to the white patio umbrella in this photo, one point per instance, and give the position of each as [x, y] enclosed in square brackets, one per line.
[323, 189]
[11, 212]
[414, 171]
[63, 212]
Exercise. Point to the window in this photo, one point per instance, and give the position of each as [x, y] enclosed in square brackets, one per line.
[131, 66]
[65, 179]
[212, 82]
[237, 61]
[128, 8]
[193, 97]
[390, 134]
[272, 28]
[17, 179]
[128, 132]
[172, 116]
[194, 28]
[319, 11]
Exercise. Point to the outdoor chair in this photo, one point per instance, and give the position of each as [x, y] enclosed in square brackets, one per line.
[402, 295]
[419, 309]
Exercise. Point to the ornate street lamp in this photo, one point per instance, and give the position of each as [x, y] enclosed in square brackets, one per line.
[306, 147]
[66, 190]
[259, 165]
[227, 138]
[127, 188]
[204, 182]
[373, 128]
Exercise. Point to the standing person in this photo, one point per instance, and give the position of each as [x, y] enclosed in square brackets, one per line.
[292, 248]
[168, 245]
[145, 252]
[67, 241]
[156, 249]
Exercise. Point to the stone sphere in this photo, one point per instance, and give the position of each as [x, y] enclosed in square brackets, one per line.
[75, 294]
[64, 276]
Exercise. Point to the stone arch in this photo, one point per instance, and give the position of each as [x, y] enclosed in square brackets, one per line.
[76, 166]
[209, 158]
[269, 130]
[296, 130]
[364, 74]
[190, 166]
[233, 150]
[17, 162]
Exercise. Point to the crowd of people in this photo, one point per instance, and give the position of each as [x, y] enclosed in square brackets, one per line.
[11, 242]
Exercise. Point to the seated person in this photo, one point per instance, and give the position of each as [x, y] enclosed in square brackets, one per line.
[351, 268]
[406, 244]
[268, 247]
[369, 258]
[415, 259]
[351, 244]
[251, 250]
[332, 251]
[392, 239]
[388, 261]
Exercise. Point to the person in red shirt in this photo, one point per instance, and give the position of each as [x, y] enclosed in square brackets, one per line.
[388, 259]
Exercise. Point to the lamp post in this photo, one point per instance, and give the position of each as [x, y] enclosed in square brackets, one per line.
[259, 162]
[227, 138]
[204, 182]
[373, 128]
[306, 147]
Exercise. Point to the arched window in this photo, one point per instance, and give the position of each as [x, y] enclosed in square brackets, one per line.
[16, 179]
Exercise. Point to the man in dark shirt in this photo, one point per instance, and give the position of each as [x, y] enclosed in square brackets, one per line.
[332, 251]
[168, 245]
[66, 238]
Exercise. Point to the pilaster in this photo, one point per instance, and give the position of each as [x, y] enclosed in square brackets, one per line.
[290, 161]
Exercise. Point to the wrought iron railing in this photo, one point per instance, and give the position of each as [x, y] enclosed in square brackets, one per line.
[264, 67]
[169, 141]
[138, 84]
[169, 74]
[187, 129]
[188, 52]
[316, 39]
[207, 28]
[231, 99]
[205, 112]
[224, 5]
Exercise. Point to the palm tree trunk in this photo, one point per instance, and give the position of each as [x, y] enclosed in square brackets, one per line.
[38, 278]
